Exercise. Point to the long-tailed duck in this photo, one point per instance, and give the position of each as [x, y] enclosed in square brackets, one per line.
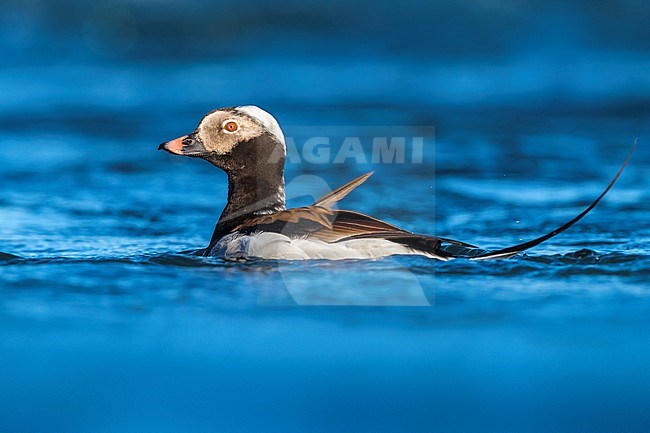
[248, 144]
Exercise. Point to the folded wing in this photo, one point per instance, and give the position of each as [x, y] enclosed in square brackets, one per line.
[320, 221]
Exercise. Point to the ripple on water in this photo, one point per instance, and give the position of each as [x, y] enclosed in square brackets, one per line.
[575, 261]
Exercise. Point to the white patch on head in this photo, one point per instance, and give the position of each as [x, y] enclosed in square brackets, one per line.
[264, 118]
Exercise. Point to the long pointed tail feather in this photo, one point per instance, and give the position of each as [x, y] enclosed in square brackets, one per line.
[515, 249]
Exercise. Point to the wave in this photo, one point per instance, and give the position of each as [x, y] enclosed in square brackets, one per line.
[517, 264]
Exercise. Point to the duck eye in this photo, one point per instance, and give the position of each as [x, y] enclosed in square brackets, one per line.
[230, 126]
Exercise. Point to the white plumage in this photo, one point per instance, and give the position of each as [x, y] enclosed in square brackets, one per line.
[273, 246]
[265, 118]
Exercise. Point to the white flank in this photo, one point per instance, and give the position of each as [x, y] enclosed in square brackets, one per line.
[276, 246]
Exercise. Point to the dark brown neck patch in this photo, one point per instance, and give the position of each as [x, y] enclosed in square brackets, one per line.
[255, 171]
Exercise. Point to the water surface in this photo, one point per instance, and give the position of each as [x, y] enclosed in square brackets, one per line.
[108, 324]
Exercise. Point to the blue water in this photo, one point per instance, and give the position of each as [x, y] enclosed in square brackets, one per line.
[109, 324]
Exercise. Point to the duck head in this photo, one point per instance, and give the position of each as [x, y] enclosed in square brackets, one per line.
[234, 139]
[248, 144]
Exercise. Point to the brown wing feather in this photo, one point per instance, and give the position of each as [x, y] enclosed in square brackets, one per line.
[341, 192]
[291, 222]
[332, 226]
[319, 221]
[348, 224]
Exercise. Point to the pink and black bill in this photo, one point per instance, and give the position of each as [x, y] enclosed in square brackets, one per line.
[187, 145]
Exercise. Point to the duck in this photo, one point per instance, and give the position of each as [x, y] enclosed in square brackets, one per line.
[247, 143]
